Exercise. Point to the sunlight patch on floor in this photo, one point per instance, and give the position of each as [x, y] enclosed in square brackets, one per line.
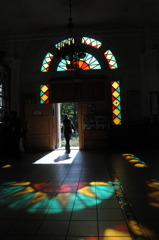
[59, 156]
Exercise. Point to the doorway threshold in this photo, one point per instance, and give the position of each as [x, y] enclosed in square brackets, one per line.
[59, 156]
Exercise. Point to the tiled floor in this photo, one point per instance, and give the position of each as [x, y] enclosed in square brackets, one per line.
[88, 195]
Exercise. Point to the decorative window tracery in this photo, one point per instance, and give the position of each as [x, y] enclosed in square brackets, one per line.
[63, 42]
[46, 62]
[91, 42]
[44, 93]
[89, 62]
[116, 103]
[111, 59]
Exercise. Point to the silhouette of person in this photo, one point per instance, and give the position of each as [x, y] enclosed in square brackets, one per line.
[67, 129]
[15, 128]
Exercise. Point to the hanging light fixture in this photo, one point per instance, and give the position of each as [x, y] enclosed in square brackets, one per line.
[72, 49]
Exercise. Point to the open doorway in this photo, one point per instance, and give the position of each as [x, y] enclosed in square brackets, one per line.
[71, 109]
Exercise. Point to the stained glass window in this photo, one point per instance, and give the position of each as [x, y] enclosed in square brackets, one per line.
[63, 42]
[89, 62]
[91, 42]
[111, 59]
[44, 93]
[116, 103]
[46, 62]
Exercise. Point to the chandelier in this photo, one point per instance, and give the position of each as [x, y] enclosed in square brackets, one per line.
[72, 49]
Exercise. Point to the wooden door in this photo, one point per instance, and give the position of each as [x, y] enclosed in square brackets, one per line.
[81, 124]
[41, 124]
[94, 137]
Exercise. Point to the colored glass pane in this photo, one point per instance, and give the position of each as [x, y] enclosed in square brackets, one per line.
[44, 94]
[116, 106]
[116, 103]
[115, 84]
[44, 88]
[111, 59]
[117, 121]
[116, 94]
[116, 112]
[64, 42]
[46, 62]
[89, 62]
[91, 42]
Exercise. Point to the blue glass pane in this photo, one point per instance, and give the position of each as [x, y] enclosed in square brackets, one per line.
[60, 69]
[42, 68]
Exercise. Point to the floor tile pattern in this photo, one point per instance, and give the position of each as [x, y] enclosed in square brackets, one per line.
[87, 195]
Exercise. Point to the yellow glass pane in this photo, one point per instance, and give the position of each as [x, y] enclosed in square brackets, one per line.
[117, 121]
[115, 85]
[115, 94]
[44, 88]
[45, 65]
[116, 103]
[116, 111]
[44, 97]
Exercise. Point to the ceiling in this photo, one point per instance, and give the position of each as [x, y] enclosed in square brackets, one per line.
[34, 16]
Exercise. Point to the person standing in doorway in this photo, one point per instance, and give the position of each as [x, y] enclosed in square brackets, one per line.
[67, 130]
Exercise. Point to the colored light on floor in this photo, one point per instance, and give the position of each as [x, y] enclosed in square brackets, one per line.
[135, 161]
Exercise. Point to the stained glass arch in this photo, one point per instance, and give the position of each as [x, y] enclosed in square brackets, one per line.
[83, 63]
[46, 62]
[111, 59]
[89, 62]
[91, 42]
[63, 42]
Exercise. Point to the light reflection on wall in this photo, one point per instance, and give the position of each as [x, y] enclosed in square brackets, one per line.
[120, 231]
[41, 196]
[7, 166]
[134, 161]
[141, 231]
[153, 193]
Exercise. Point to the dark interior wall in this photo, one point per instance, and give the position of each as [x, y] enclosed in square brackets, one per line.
[2, 144]
[129, 138]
